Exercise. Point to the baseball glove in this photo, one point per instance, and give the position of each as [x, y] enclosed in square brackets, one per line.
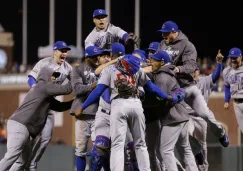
[180, 93]
[130, 41]
[125, 90]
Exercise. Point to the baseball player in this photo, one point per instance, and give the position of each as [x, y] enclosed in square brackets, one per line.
[233, 75]
[83, 81]
[100, 154]
[101, 150]
[126, 108]
[57, 63]
[104, 33]
[173, 119]
[183, 55]
[29, 119]
[198, 126]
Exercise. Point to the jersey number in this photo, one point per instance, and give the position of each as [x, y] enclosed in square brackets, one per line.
[130, 79]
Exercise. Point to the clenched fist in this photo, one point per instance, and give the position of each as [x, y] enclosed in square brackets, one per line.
[226, 105]
[78, 112]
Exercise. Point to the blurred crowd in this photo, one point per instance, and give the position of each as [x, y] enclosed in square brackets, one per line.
[206, 65]
[3, 132]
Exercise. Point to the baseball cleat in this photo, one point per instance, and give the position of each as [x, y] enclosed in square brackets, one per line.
[224, 140]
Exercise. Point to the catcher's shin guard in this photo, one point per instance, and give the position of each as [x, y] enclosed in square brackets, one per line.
[100, 154]
[133, 165]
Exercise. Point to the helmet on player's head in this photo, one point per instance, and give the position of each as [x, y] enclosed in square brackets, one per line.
[131, 64]
[92, 51]
[234, 53]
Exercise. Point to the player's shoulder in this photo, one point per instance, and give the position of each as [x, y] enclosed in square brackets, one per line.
[45, 60]
[67, 66]
[112, 27]
[92, 33]
[226, 70]
[111, 68]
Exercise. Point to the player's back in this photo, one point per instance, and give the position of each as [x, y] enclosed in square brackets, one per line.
[82, 77]
[33, 110]
[112, 74]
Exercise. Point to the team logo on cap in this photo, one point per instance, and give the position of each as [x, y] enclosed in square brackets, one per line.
[232, 52]
[152, 45]
[163, 26]
[64, 44]
[95, 50]
[100, 11]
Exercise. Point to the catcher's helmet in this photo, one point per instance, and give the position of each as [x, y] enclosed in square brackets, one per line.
[131, 63]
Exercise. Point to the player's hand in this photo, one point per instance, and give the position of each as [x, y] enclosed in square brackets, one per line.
[173, 99]
[78, 112]
[147, 69]
[219, 57]
[176, 70]
[93, 85]
[226, 105]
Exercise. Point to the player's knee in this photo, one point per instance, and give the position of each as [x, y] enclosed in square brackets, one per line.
[81, 148]
[166, 152]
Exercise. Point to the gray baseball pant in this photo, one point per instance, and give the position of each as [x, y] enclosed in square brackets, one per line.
[84, 129]
[17, 146]
[198, 129]
[127, 113]
[40, 144]
[238, 108]
[195, 100]
[152, 141]
[170, 135]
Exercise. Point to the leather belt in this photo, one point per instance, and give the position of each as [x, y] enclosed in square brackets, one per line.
[105, 111]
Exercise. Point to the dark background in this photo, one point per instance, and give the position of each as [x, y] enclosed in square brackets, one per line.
[210, 25]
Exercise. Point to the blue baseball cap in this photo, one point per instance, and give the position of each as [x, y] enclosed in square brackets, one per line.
[99, 12]
[142, 53]
[161, 56]
[60, 45]
[153, 46]
[118, 48]
[169, 26]
[92, 51]
[235, 52]
[105, 51]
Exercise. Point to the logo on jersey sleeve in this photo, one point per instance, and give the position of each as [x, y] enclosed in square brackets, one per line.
[173, 53]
